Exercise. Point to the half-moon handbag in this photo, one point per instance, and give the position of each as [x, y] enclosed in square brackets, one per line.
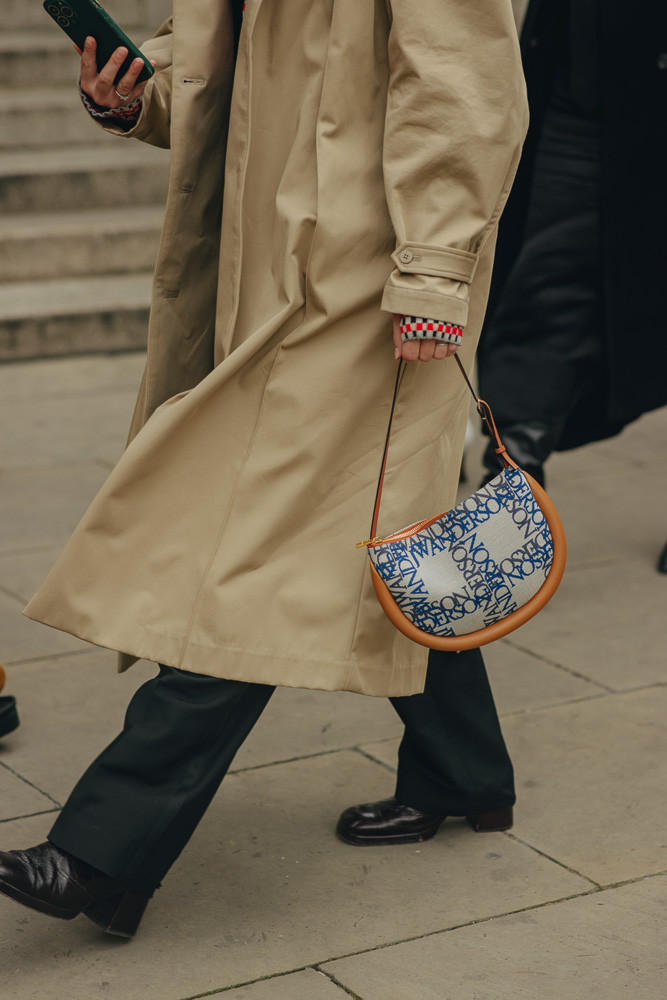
[477, 572]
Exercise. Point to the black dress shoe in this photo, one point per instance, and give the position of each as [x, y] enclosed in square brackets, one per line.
[9, 717]
[50, 881]
[388, 822]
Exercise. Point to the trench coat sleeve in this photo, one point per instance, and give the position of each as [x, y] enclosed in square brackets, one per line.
[456, 119]
[153, 124]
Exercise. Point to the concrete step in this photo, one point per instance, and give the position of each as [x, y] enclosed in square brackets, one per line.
[39, 55]
[17, 14]
[39, 117]
[44, 55]
[42, 246]
[40, 319]
[79, 177]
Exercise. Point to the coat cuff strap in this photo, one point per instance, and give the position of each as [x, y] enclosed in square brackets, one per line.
[442, 262]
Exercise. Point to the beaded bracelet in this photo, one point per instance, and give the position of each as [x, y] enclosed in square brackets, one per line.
[126, 112]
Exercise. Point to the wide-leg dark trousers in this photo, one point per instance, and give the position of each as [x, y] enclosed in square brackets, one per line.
[137, 805]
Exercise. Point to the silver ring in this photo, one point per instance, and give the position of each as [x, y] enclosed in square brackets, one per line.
[123, 97]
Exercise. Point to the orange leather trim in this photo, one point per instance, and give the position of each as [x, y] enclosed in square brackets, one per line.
[519, 617]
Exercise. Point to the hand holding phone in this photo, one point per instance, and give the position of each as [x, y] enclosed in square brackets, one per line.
[113, 70]
[104, 87]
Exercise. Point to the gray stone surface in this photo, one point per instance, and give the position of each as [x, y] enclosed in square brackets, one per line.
[264, 889]
[296, 723]
[309, 985]
[47, 245]
[635, 513]
[41, 505]
[82, 696]
[17, 798]
[43, 380]
[34, 116]
[22, 573]
[607, 946]
[62, 177]
[36, 54]
[87, 176]
[591, 782]
[607, 623]
[65, 435]
[522, 681]
[21, 639]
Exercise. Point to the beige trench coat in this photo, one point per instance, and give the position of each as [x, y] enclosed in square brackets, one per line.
[224, 541]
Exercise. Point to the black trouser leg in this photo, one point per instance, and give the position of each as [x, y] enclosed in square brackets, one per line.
[453, 760]
[137, 805]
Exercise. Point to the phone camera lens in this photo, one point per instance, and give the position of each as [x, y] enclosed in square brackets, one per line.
[67, 11]
[53, 9]
[63, 21]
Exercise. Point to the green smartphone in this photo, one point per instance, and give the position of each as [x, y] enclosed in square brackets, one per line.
[81, 18]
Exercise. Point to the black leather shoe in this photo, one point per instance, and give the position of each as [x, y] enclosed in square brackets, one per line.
[9, 717]
[388, 822]
[50, 881]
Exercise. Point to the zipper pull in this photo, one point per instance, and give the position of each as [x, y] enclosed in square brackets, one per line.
[370, 541]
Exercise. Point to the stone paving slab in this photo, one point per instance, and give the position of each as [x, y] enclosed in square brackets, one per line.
[296, 723]
[308, 985]
[607, 623]
[637, 443]
[17, 798]
[21, 639]
[591, 460]
[522, 682]
[41, 380]
[613, 518]
[40, 506]
[21, 574]
[606, 946]
[61, 432]
[590, 783]
[265, 887]
[71, 708]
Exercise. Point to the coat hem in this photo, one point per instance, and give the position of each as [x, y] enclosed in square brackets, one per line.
[237, 663]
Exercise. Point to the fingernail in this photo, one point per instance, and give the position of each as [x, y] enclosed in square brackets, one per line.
[89, 42]
[397, 353]
[120, 54]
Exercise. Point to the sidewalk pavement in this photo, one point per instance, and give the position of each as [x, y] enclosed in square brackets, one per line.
[265, 903]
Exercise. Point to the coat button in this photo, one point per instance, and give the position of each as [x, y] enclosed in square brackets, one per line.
[406, 256]
[662, 60]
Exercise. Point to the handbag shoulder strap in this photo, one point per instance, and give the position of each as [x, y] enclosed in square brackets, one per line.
[485, 413]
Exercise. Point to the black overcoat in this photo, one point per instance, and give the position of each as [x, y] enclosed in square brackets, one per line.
[631, 70]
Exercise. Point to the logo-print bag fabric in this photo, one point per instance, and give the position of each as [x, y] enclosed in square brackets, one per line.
[473, 574]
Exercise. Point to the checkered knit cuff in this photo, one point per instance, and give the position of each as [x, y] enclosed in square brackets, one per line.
[128, 114]
[419, 328]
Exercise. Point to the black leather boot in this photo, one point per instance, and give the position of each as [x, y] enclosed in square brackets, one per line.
[529, 444]
[388, 822]
[50, 881]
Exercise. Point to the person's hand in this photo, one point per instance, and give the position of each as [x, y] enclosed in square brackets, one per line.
[420, 350]
[100, 87]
